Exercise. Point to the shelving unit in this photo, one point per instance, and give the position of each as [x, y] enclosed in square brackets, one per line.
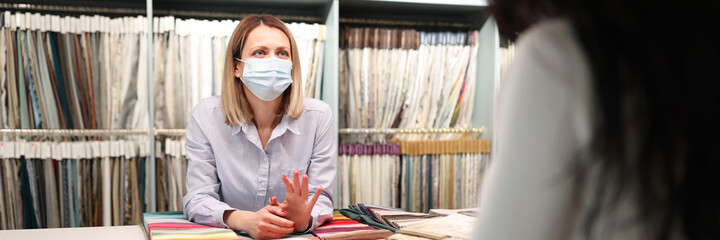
[460, 14]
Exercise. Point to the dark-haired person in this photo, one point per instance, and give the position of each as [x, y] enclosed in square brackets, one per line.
[245, 144]
[607, 123]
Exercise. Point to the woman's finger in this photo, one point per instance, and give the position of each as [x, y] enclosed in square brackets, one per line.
[305, 189]
[277, 210]
[270, 226]
[274, 201]
[288, 185]
[317, 194]
[279, 222]
[296, 179]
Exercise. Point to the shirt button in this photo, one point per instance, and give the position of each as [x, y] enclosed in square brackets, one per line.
[262, 184]
[259, 205]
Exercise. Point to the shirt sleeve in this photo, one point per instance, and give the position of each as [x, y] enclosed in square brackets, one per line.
[541, 116]
[321, 171]
[202, 202]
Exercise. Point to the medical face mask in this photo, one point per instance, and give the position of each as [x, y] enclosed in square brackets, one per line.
[267, 78]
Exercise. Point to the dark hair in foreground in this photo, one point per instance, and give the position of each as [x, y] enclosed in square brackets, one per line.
[654, 68]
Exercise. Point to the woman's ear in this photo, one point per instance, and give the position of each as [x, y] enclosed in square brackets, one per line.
[239, 66]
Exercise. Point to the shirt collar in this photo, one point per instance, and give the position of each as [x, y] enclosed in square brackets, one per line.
[287, 123]
[236, 128]
[292, 124]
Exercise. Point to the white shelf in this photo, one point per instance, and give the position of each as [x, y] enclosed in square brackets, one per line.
[479, 3]
[106, 233]
[487, 71]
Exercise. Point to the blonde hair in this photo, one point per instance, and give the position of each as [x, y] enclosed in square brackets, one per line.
[234, 102]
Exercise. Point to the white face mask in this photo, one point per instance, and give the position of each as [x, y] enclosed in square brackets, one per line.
[267, 78]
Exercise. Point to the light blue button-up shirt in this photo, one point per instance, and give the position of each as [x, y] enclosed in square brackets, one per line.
[228, 168]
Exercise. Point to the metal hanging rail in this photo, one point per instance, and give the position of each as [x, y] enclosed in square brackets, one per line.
[89, 132]
[405, 23]
[170, 132]
[139, 11]
[181, 132]
[408, 130]
[70, 9]
[73, 132]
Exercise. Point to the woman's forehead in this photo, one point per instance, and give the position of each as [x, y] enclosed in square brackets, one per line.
[268, 37]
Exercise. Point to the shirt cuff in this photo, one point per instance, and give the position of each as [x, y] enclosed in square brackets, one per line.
[220, 212]
[319, 216]
[311, 226]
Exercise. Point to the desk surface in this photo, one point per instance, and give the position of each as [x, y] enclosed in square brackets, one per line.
[104, 233]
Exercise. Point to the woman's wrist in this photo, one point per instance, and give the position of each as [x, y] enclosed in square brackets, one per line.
[306, 226]
[234, 219]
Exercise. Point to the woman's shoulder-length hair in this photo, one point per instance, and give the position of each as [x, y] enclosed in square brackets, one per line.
[235, 106]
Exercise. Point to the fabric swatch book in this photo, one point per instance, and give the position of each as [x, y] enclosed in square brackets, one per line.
[174, 225]
[342, 227]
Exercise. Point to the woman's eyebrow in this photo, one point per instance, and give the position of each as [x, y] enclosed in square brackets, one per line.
[259, 47]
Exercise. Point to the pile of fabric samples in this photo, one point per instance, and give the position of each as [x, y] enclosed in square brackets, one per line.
[342, 227]
[437, 224]
[356, 222]
[174, 225]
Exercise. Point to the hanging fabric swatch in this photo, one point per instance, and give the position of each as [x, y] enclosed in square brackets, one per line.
[90, 72]
[73, 72]
[405, 78]
[53, 184]
[391, 78]
[368, 174]
[172, 163]
[415, 175]
[442, 174]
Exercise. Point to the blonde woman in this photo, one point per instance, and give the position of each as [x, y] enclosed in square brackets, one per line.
[244, 145]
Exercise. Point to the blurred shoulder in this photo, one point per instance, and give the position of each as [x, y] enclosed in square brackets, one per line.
[316, 106]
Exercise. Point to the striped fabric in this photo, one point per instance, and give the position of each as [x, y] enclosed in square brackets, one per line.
[174, 225]
[341, 226]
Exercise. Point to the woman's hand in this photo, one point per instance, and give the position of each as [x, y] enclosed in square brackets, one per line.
[266, 223]
[296, 201]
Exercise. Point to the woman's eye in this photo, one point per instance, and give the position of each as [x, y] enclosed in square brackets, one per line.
[258, 53]
[283, 54]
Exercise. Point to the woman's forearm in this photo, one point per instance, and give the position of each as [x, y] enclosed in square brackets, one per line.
[236, 219]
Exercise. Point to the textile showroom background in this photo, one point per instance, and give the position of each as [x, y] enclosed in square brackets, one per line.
[94, 99]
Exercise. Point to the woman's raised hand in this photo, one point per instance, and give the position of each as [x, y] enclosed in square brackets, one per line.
[296, 203]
